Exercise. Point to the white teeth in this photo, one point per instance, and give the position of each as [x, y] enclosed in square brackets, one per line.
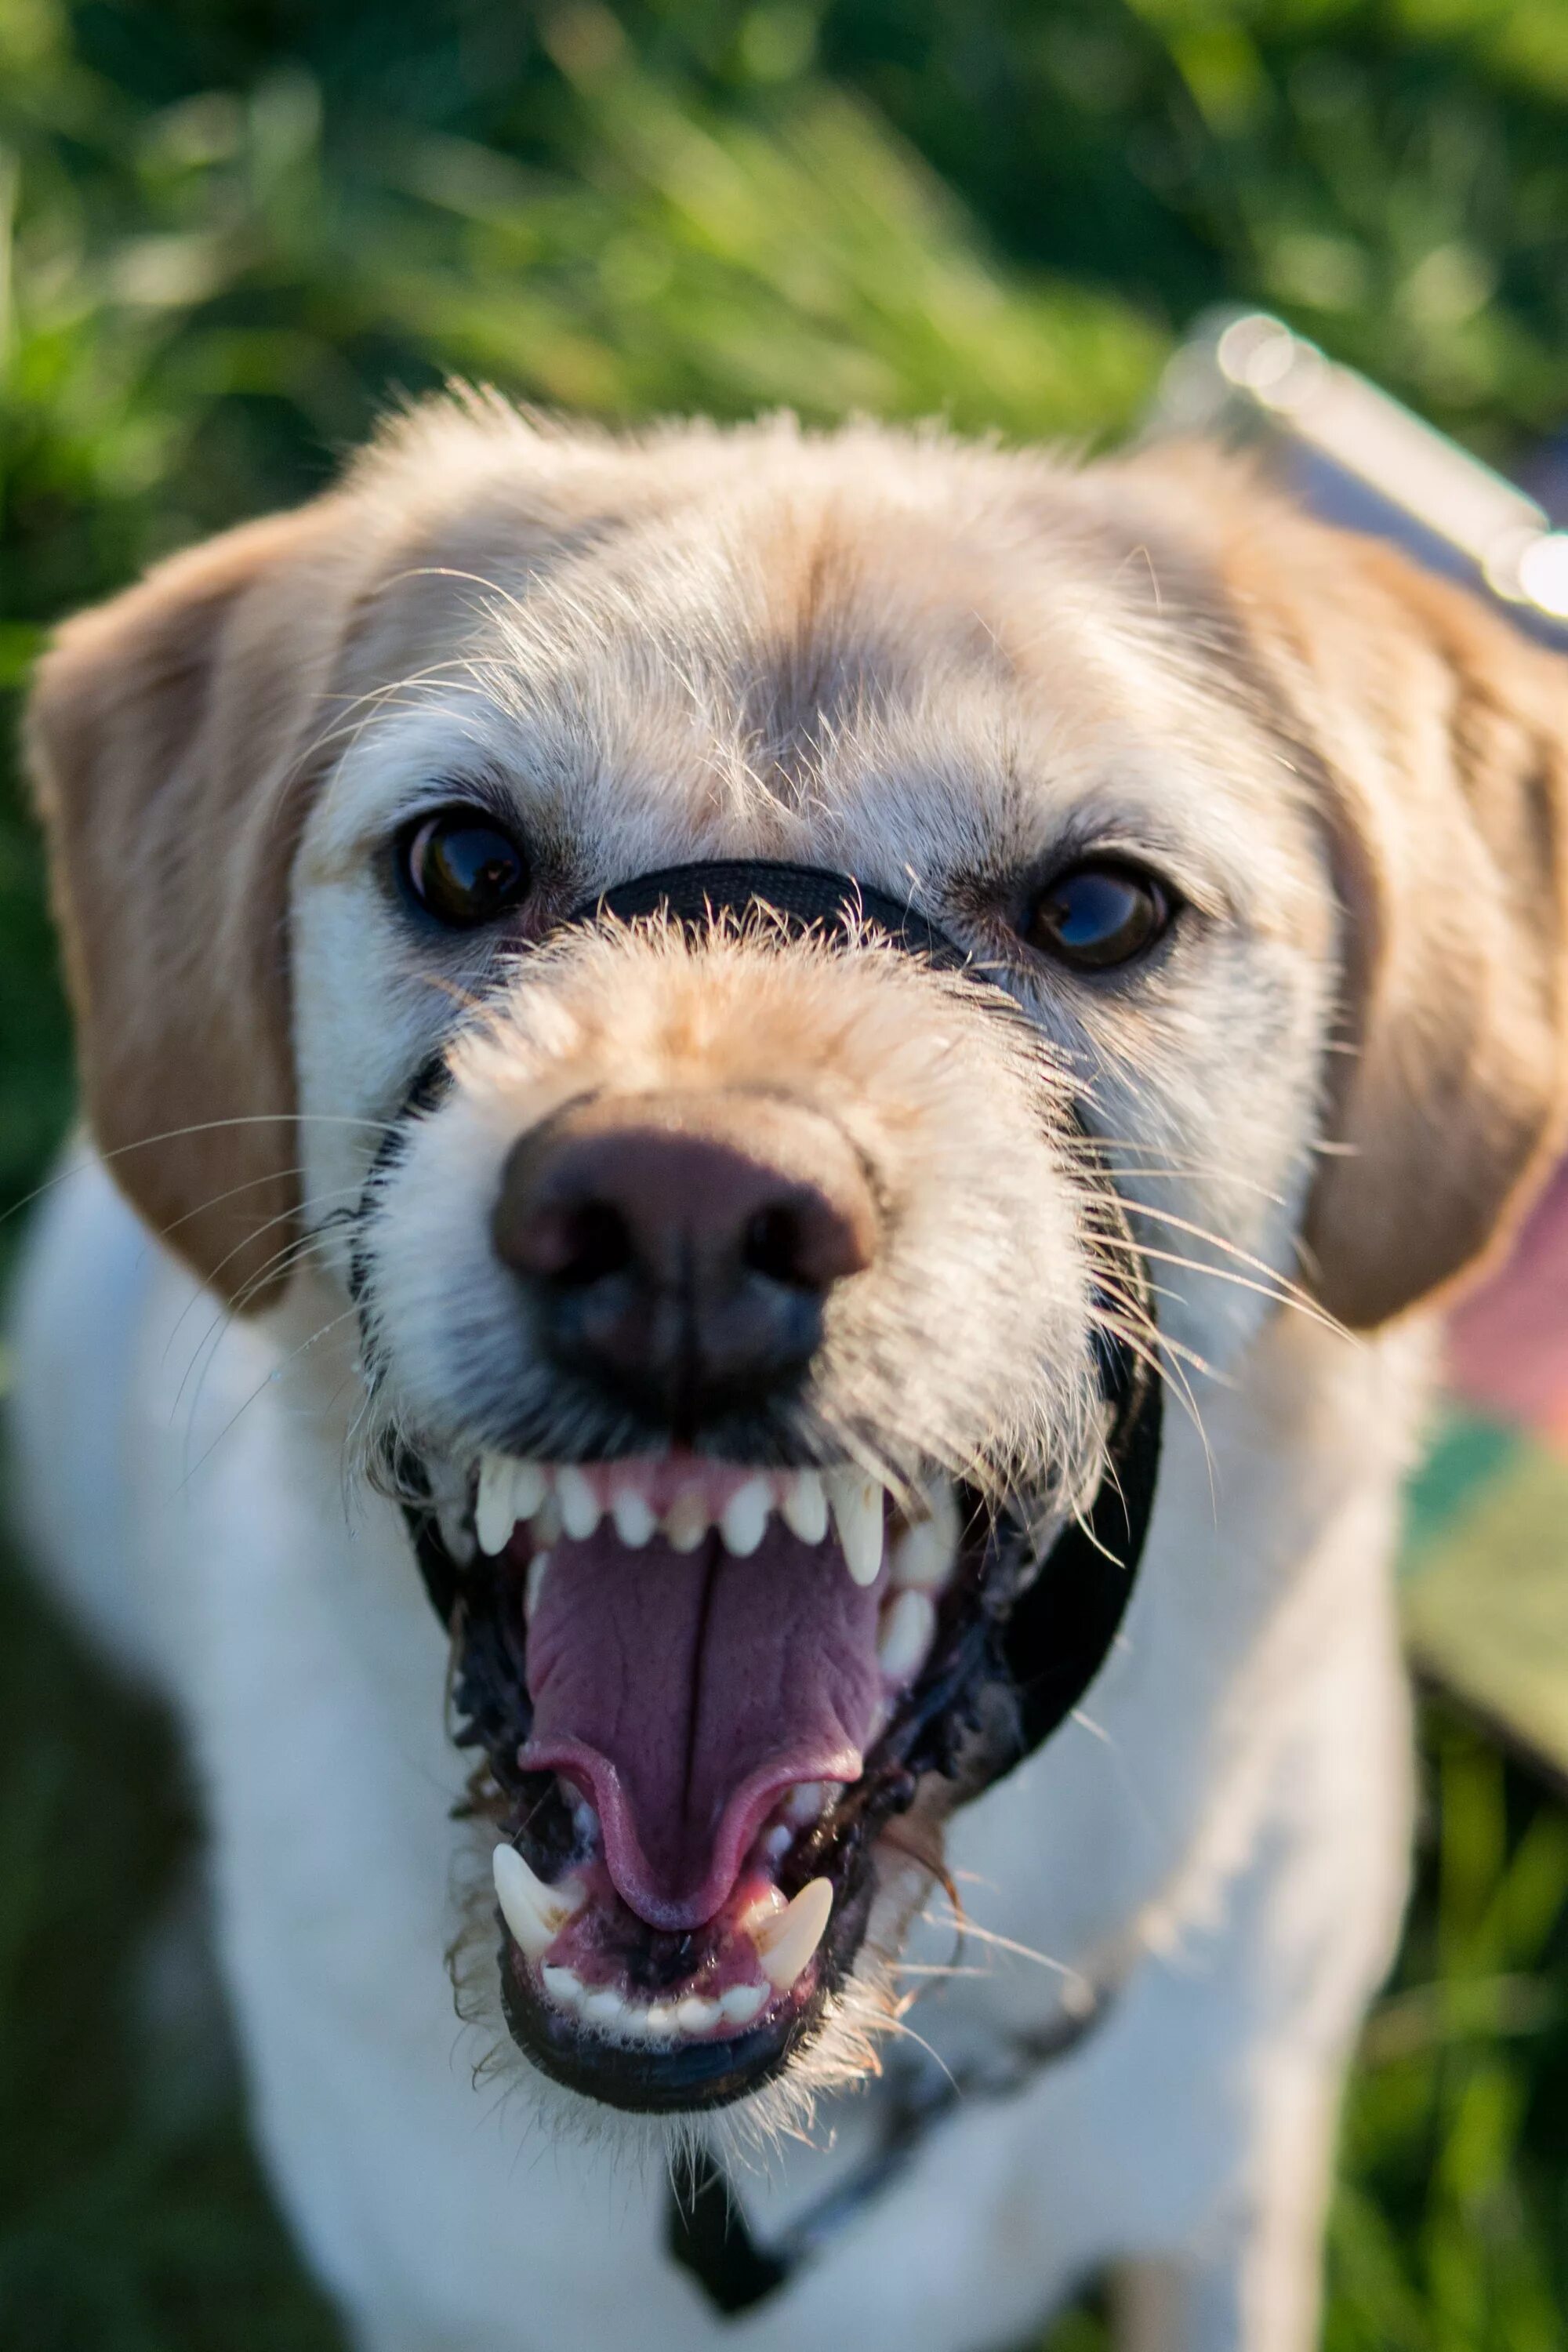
[564, 1987]
[530, 1485]
[686, 1521]
[924, 1555]
[548, 1529]
[806, 1803]
[534, 1584]
[580, 1509]
[633, 1515]
[857, 1505]
[744, 1522]
[605, 2007]
[695, 2014]
[742, 2002]
[802, 1506]
[659, 2017]
[908, 1625]
[508, 1491]
[534, 1913]
[493, 1518]
[788, 1940]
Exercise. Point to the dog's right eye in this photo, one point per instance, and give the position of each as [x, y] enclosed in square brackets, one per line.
[461, 868]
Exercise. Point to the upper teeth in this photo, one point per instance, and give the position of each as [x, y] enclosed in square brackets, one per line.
[569, 1500]
[534, 1913]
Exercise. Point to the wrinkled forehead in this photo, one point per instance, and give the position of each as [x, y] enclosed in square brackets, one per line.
[806, 667]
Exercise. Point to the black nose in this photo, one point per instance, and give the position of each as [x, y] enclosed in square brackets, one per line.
[680, 1249]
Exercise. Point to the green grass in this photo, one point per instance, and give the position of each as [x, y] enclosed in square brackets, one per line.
[231, 231]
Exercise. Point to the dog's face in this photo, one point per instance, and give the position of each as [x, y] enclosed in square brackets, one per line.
[726, 1291]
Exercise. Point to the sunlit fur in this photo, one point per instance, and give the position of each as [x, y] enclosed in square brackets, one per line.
[950, 671]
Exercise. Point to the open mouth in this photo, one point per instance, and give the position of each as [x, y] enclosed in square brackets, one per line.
[702, 1691]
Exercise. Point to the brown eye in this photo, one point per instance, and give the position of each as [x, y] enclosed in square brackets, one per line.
[462, 869]
[1097, 914]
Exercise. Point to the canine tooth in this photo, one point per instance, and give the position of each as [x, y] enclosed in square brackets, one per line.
[788, 1941]
[533, 1583]
[580, 1509]
[857, 1513]
[563, 1986]
[744, 1522]
[493, 1512]
[686, 1521]
[803, 1507]
[908, 1624]
[633, 1515]
[533, 1912]
[695, 2014]
[925, 1554]
[742, 2002]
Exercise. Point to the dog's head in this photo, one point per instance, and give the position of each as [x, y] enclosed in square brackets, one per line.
[735, 1293]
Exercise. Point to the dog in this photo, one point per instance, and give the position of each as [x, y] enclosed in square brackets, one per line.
[828, 1085]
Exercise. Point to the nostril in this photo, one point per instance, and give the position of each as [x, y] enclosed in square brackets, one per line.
[569, 1243]
[595, 1242]
[775, 1243]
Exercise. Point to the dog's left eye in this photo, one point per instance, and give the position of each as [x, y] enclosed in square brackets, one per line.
[462, 868]
[1101, 913]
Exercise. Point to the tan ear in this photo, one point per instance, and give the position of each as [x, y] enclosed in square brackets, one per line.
[167, 737]
[1437, 735]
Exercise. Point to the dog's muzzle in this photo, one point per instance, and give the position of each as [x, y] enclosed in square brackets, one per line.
[1021, 1639]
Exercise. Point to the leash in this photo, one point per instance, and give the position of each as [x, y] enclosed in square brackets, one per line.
[1060, 1623]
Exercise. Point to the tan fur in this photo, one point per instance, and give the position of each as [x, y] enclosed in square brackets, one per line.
[1437, 736]
[164, 733]
[177, 733]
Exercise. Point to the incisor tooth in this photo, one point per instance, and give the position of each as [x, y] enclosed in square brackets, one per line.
[924, 1555]
[580, 1509]
[493, 1512]
[530, 1485]
[744, 1521]
[695, 2014]
[633, 1515]
[686, 1521]
[534, 1913]
[741, 2003]
[908, 1624]
[787, 1941]
[857, 1513]
[804, 1506]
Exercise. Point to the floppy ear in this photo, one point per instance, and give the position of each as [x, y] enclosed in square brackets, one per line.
[1437, 735]
[167, 735]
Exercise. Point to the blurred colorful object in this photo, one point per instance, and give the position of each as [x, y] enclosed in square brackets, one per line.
[1486, 1572]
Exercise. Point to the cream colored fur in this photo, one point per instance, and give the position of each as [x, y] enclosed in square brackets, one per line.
[944, 670]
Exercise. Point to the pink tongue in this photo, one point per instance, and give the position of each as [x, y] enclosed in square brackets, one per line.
[683, 1693]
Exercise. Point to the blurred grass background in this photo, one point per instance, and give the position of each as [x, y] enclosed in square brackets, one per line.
[230, 234]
